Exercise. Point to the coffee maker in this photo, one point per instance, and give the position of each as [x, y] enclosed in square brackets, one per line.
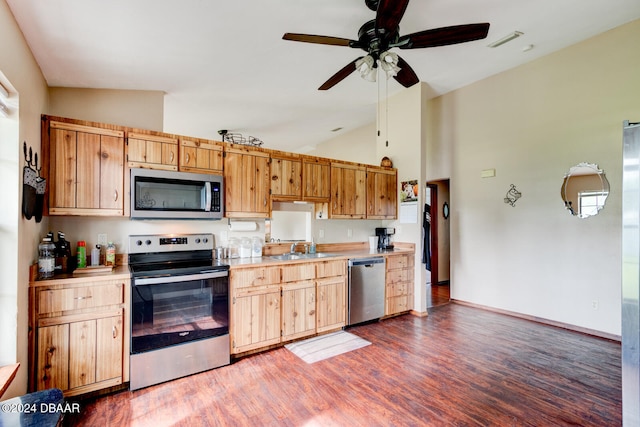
[384, 238]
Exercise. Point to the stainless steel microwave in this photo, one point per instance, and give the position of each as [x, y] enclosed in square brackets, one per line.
[163, 194]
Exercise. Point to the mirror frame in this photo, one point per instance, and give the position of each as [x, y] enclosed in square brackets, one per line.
[576, 171]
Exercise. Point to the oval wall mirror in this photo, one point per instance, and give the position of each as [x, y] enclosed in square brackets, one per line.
[584, 190]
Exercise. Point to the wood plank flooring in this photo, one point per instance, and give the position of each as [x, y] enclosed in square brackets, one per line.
[460, 366]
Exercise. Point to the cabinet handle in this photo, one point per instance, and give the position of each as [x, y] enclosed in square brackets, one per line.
[115, 195]
[187, 157]
[265, 202]
[114, 331]
[171, 157]
[81, 298]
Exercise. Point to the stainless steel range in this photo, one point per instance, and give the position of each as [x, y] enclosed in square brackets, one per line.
[179, 308]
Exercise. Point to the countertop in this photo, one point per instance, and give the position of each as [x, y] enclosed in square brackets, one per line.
[120, 272]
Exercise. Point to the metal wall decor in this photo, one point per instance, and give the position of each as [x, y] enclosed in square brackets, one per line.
[238, 138]
[33, 186]
[512, 195]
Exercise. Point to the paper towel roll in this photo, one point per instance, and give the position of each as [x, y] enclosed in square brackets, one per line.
[243, 225]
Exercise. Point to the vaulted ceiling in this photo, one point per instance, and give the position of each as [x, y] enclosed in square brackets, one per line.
[224, 64]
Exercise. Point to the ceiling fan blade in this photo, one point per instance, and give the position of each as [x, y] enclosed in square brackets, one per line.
[389, 15]
[444, 36]
[340, 75]
[310, 38]
[406, 76]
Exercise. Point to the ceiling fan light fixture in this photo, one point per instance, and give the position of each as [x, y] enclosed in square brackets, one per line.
[506, 39]
[389, 63]
[366, 68]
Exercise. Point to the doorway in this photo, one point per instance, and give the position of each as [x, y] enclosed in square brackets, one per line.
[436, 232]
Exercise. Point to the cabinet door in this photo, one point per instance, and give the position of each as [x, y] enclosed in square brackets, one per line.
[201, 156]
[381, 194]
[109, 346]
[62, 168]
[255, 319]
[348, 196]
[53, 357]
[111, 173]
[82, 353]
[286, 178]
[152, 151]
[247, 184]
[332, 306]
[298, 309]
[316, 177]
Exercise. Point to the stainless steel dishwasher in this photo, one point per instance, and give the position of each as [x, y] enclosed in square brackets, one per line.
[366, 289]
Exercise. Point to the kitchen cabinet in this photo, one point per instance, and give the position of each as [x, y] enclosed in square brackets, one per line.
[247, 183]
[152, 151]
[201, 156]
[85, 170]
[316, 179]
[349, 190]
[331, 284]
[298, 301]
[255, 308]
[78, 334]
[399, 284]
[286, 177]
[382, 193]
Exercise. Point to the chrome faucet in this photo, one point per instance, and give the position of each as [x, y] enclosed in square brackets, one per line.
[293, 248]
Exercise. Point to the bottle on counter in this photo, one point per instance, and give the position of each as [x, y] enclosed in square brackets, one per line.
[81, 254]
[46, 258]
[63, 254]
[110, 257]
[95, 255]
[312, 247]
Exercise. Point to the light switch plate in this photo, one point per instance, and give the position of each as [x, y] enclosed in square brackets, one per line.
[102, 239]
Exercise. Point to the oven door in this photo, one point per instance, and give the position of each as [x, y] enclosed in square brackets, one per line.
[174, 309]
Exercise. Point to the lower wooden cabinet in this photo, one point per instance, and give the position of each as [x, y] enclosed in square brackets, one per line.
[78, 335]
[301, 300]
[399, 284]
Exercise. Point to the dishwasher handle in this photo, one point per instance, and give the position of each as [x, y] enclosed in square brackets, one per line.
[367, 262]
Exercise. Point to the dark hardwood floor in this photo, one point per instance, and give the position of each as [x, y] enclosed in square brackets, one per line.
[460, 366]
[440, 294]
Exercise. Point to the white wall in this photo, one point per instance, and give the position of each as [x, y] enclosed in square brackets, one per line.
[142, 109]
[532, 124]
[18, 237]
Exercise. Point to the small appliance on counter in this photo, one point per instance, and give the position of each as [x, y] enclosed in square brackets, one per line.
[384, 238]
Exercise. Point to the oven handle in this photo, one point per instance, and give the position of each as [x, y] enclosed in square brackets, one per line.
[211, 274]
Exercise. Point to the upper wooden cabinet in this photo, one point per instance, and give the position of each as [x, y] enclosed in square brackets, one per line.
[200, 155]
[286, 177]
[246, 183]
[348, 191]
[316, 179]
[152, 151]
[382, 193]
[85, 170]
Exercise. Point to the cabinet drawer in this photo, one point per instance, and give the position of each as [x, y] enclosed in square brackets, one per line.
[331, 268]
[75, 298]
[397, 304]
[397, 289]
[401, 261]
[245, 277]
[404, 275]
[295, 272]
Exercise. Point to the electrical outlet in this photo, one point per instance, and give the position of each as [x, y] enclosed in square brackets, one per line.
[102, 239]
[321, 233]
[594, 304]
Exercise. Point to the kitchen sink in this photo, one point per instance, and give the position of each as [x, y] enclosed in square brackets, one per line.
[290, 256]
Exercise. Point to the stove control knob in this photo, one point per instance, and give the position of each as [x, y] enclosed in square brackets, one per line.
[205, 240]
[197, 240]
[138, 242]
[147, 242]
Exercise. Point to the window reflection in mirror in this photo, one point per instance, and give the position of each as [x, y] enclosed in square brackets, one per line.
[290, 222]
[584, 190]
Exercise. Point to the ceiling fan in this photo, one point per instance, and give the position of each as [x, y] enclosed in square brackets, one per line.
[378, 36]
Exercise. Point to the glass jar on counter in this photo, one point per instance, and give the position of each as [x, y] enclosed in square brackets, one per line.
[46, 258]
[234, 247]
[245, 247]
[256, 247]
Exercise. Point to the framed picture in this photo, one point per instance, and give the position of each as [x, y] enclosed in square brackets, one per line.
[409, 191]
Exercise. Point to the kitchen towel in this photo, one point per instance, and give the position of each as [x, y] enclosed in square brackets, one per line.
[325, 346]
